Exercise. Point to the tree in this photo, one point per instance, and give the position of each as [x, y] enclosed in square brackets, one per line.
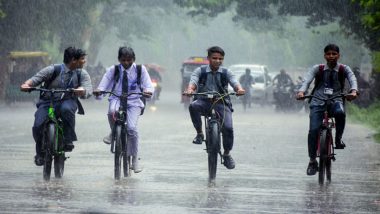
[322, 12]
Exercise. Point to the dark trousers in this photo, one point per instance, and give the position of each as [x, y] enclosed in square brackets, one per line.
[316, 117]
[201, 107]
[65, 110]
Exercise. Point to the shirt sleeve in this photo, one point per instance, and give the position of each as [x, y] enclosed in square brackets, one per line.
[85, 82]
[42, 75]
[351, 78]
[146, 82]
[309, 78]
[107, 79]
[195, 76]
[232, 79]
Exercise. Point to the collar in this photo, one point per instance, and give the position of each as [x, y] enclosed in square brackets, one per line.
[208, 69]
[336, 68]
[133, 67]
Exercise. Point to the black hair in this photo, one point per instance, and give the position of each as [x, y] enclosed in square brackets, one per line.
[215, 49]
[126, 52]
[72, 53]
[331, 47]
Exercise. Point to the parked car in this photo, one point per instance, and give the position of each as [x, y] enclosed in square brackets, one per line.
[262, 90]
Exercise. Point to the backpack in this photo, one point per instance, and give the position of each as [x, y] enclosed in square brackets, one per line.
[117, 77]
[319, 77]
[222, 85]
[57, 70]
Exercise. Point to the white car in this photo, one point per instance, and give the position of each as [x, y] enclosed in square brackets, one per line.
[262, 90]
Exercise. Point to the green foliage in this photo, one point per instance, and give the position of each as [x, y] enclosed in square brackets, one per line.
[369, 116]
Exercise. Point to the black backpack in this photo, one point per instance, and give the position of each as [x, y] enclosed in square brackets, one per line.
[319, 77]
[222, 86]
[117, 77]
[57, 70]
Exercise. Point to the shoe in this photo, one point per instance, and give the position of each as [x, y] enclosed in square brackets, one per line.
[39, 160]
[199, 138]
[312, 168]
[135, 165]
[107, 139]
[228, 162]
[69, 146]
[339, 144]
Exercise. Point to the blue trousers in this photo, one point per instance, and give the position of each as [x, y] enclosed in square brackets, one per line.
[201, 107]
[65, 110]
[316, 117]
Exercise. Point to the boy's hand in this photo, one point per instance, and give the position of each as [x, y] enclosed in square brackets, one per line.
[300, 95]
[240, 92]
[80, 92]
[351, 96]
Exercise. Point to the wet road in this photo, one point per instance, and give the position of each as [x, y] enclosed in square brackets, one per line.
[270, 175]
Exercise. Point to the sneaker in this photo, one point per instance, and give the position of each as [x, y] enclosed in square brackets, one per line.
[135, 164]
[199, 138]
[39, 160]
[107, 139]
[312, 168]
[69, 146]
[228, 162]
[339, 144]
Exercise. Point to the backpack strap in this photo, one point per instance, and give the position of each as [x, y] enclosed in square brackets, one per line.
[138, 67]
[57, 70]
[203, 77]
[116, 76]
[341, 76]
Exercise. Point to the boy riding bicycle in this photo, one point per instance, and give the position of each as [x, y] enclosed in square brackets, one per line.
[127, 81]
[329, 82]
[70, 74]
[214, 78]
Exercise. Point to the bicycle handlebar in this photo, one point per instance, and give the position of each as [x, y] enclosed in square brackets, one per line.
[323, 99]
[211, 94]
[119, 96]
[53, 91]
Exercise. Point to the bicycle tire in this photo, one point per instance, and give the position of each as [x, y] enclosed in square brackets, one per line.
[329, 155]
[213, 148]
[59, 165]
[118, 153]
[323, 156]
[126, 158]
[49, 140]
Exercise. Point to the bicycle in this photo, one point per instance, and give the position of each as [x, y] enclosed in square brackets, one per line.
[325, 142]
[52, 140]
[212, 130]
[119, 141]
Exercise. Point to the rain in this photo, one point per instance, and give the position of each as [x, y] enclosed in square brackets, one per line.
[170, 36]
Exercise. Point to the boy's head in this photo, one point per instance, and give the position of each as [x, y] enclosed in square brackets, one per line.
[215, 56]
[331, 55]
[215, 49]
[331, 47]
[126, 57]
[74, 57]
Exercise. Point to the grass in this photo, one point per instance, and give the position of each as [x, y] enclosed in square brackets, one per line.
[369, 116]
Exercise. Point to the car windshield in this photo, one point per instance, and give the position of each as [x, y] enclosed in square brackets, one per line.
[256, 72]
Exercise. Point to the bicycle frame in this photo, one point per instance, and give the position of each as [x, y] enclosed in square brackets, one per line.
[325, 141]
[52, 143]
[119, 141]
[212, 131]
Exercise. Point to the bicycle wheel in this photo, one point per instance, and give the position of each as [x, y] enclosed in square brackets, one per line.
[213, 147]
[329, 155]
[118, 152]
[126, 158]
[59, 165]
[48, 142]
[323, 155]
